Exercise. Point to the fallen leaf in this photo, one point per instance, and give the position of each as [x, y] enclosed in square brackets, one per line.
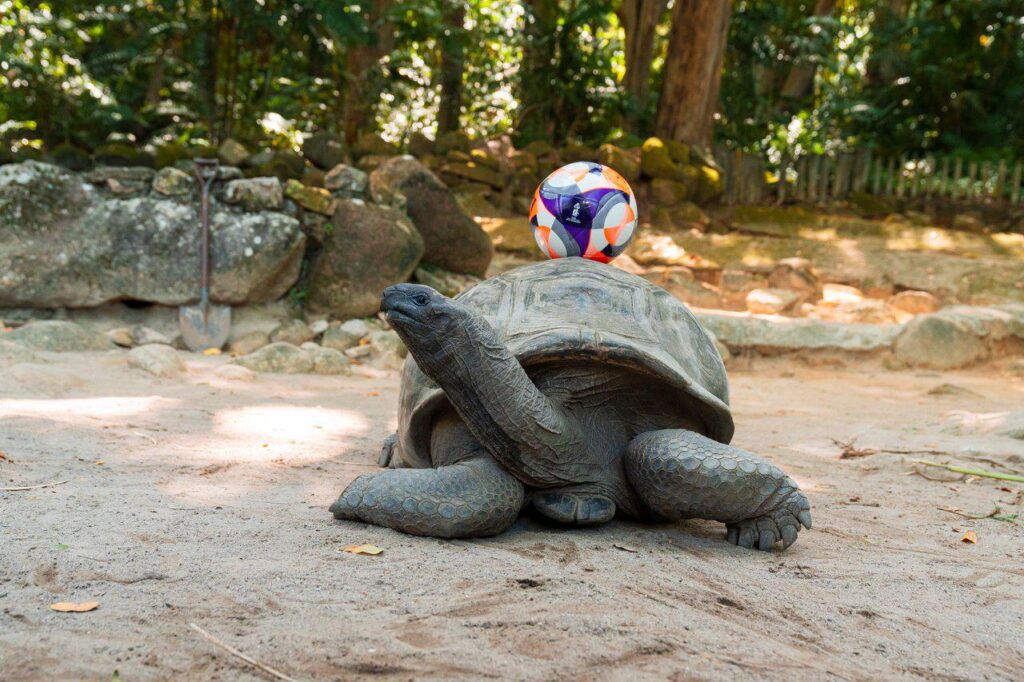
[371, 550]
[971, 537]
[364, 341]
[99, 462]
[4, 457]
[212, 351]
[373, 393]
[61, 546]
[71, 607]
[624, 548]
[266, 445]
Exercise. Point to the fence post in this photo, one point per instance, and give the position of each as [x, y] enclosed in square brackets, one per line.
[865, 171]
[958, 167]
[783, 168]
[890, 176]
[876, 185]
[826, 172]
[972, 175]
[1001, 179]
[943, 176]
[1015, 183]
[900, 180]
[813, 166]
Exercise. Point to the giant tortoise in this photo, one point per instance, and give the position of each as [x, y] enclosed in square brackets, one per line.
[572, 386]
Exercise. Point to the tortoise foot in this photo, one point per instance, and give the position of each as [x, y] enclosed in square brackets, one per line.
[575, 508]
[782, 523]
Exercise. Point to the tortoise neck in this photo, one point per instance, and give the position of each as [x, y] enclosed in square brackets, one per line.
[498, 401]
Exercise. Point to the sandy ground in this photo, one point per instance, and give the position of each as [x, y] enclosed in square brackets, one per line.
[204, 501]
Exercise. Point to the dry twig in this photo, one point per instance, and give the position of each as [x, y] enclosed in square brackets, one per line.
[235, 652]
[17, 488]
[971, 472]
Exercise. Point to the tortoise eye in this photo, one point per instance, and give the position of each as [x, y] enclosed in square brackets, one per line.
[421, 299]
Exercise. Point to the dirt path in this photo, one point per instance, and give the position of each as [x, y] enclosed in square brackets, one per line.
[204, 501]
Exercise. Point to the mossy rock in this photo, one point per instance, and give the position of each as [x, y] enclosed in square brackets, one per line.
[579, 152]
[709, 184]
[664, 193]
[484, 158]
[539, 148]
[625, 163]
[314, 199]
[282, 164]
[453, 140]
[420, 145]
[524, 161]
[71, 157]
[115, 154]
[627, 141]
[169, 154]
[372, 144]
[677, 151]
[656, 162]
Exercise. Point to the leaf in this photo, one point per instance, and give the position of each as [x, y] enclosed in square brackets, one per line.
[212, 351]
[3, 458]
[72, 607]
[624, 548]
[971, 537]
[373, 394]
[371, 550]
[61, 546]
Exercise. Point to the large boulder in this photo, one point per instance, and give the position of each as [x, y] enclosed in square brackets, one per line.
[324, 149]
[65, 244]
[367, 249]
[939, 342]
[451, 238]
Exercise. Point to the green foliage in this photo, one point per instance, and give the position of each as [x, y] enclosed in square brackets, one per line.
[176, 76]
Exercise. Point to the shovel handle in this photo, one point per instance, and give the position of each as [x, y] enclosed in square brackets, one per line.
[206, 172]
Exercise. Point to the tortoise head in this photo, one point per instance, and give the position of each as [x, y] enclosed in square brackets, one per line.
[420, 315]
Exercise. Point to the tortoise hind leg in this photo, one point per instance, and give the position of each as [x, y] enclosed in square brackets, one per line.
[472, 498]
[681, 474]
[577, 508]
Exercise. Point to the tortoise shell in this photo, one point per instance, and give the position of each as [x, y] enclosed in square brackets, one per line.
[571, 309]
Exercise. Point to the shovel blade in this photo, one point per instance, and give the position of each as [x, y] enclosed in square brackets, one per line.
[204, 327]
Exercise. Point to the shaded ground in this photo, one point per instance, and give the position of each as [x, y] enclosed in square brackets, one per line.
[204, 502]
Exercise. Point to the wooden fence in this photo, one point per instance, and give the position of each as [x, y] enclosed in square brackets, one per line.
[818, 178]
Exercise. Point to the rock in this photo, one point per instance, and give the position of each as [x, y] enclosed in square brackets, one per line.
[283, 164]
[871, 311]
[329, 361]
[345, 336]
[169, 154]
[311, 198]
[370, 248]
[624, 163]
[511, 235]
[420, 144]
[157, 359]
[709, 184]
[295, 332]
[255, 194]
[796, 274]
[173, 182]
[906, 305]
[71, 157]
[121, 336]
[626, 263]
[677, 151]
[142, 336]
[787, 334]
[388, 349]
[668, 192]
[346, 181]
[525, 163]
[232, 372]
[115, 154]
[64, 245]
[771, 301]
[58, 336]
[324, 149]
[684, 216]
[247, 343]
[736, 284]
[277, 358]
[37, 378]
[12, 353]
[370, 163]
[448, 283]
[233, 153]
[938, 342]
[656, 162]
[318, 327]
[539, 148]
[840, 294]
[452, 240]
[470, 170]
[372, 144]
[453, 140]
[1005, 423]
[483, 157]
[127, 175]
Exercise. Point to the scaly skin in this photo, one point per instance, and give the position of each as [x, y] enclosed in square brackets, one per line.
[683, 475]
[473, 498]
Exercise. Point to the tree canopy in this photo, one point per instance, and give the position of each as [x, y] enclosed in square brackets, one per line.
[796, 75]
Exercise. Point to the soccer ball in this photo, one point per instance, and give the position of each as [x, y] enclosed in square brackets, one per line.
[583, 209]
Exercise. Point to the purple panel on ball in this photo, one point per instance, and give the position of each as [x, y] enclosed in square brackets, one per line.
[576, 211]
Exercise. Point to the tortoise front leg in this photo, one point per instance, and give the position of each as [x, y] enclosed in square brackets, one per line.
[683, 475]
[472, 498]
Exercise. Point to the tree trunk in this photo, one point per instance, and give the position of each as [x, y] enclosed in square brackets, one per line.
[452, 52]
[211, 48]
[363, 82]
[537, 92]
[639, 22]
[693, 71]
[801, 76]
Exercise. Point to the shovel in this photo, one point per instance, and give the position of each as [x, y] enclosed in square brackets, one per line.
[205, 326]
